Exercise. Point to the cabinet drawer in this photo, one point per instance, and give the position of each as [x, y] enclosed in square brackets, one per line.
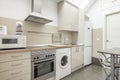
[52, 78]
[14, 73]
[14, 56]
[22, 77]
[14, 65]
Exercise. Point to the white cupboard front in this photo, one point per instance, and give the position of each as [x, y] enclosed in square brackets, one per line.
[15, 66]
[68, 16]
[77, 58]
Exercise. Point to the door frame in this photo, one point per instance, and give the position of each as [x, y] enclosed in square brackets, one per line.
[107, 13]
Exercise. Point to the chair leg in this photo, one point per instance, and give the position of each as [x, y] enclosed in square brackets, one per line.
[117, 74]
[108, 77]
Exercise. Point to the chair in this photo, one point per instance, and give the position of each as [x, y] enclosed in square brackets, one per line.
[105, 61]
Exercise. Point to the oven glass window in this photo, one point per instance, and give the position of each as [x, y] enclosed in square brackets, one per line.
[43, 68]
[9, 41]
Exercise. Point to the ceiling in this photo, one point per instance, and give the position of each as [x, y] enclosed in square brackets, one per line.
[80, 3]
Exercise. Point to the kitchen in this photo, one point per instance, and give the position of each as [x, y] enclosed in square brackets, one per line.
[56, 39]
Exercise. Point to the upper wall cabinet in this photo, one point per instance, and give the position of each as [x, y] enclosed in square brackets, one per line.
[68, 16]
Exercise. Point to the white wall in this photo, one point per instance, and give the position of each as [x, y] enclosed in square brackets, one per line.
[50, 9]
[101, 8]
[96, 15]
[19, 9]
[98, 12]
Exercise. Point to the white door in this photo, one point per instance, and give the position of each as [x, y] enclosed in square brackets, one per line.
[113, 31]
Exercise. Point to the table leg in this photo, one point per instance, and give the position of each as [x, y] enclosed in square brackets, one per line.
[117, 72]
[112, 67]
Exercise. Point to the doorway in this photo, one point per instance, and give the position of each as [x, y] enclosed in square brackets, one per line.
[113, 30]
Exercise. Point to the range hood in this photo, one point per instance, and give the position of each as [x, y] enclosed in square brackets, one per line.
[36, 13]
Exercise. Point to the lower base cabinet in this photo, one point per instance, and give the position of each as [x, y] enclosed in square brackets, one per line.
[77, 58]
[15, 66]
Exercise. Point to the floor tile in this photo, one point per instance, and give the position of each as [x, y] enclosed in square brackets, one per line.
[92, 72]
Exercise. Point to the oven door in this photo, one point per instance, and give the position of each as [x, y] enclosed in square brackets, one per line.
[43, 70]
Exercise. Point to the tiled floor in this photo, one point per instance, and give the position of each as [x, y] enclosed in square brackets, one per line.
[92, 72]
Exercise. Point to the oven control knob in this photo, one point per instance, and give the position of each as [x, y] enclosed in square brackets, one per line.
[53, 55]
[37, 57]
[48, 55]
[34, 58]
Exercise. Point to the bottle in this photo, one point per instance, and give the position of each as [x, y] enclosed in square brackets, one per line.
[19, 28]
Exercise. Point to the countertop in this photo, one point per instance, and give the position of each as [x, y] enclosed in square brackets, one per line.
[37, 48]
[114, 51]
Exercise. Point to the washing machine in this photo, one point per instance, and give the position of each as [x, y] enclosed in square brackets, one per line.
[63, 62]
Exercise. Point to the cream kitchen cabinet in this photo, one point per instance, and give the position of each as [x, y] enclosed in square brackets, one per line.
[15, 66]
[77, 57]
[68, 16]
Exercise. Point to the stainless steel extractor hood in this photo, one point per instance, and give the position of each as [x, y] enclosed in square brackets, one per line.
[36, 14]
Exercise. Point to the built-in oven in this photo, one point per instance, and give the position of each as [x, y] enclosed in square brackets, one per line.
[43, 64]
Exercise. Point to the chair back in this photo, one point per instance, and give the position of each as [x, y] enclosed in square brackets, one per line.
[104, 60]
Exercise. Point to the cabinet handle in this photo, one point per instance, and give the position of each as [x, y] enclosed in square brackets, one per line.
[17, 56]
[16, 73]
[16, 64]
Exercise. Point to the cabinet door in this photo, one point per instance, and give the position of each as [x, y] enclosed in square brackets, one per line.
[77, 57]
[6, 66]
[68, 16]
[21, 77]
[80, 56]
[15, 73]
[74, 57]
[14, 56]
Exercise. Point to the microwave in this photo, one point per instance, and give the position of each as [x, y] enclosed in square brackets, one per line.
[12, 41]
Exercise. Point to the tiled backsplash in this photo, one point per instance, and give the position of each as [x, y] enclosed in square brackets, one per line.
[33, 38]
